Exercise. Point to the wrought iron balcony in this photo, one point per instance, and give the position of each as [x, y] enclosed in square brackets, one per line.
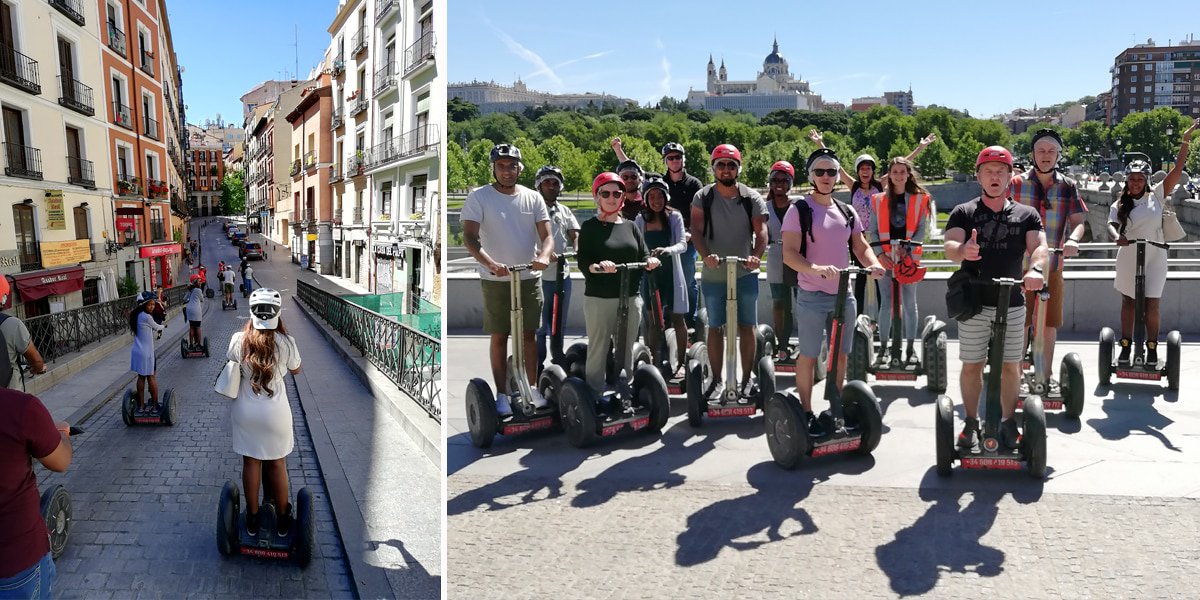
[121, 115]
[359, 106]
[358, 43]
[358, 215]
[80, 172]
[336, 174]
[339, 65]
[420, 51]
[156, 189]
[295, 167]
[128, 185]
[358, 163]
[410, 143]
[385, 78]
[19, 70]
[22, 161]
[116, 39]
[337, 120]
[150, 128]
[310, 160]
[76, 96]
[382, 7]
[73, 9]
[31, 255]
[147, 63]
[158, 233]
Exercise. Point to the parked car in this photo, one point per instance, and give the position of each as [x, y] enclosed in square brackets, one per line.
[251, 250]
[231, 232]
[237, 238]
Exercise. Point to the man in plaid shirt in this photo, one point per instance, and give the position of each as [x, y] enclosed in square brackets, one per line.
[1056, 198]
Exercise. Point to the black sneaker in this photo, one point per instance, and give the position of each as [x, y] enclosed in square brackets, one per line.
[1009, 436]
[966, 439]
[814, 425]
[283, 524]
[1126, 348]
[252, 524]
[1152, 354]
[716, 391]
[747, 392]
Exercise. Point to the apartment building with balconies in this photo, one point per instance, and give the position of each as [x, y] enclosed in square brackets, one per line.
[174, 127]
[206, 171]
[312, 154]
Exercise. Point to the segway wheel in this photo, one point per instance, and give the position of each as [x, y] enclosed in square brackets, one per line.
[765, 373]
[482, 419]
[228, 513]
[641, 355]
[56, 512]
[550, 385]
[1174, 343]
[944, 433]
[1071, 372]
[858, 397]
[695, 392]
[206, 346]
[651, 391]
[1033, 438]
[1108, 338]
[579, 412]
[183, 347]
[306, 536]
[937, 366]
[764, 341]
[574, 360]
[787, 434]
[167, 415]
[127, 406]
[860, 357]
[210, 293]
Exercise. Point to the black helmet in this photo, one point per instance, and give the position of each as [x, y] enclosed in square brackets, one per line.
[656, 181]
[547, 172]
[819, 153]
[629, 165]
[1139, 165]
[1046, 133]
[504, 151]
[673, 147]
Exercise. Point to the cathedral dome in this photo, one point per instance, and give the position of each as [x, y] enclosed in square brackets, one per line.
[775, 58]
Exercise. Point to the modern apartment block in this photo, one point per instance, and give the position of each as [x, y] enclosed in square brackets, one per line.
[1148, 76]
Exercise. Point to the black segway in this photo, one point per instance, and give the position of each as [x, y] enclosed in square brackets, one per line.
[187, 350]
[1067, 395]
[56, 512]
[853, 422]
[231, 305]
[731, 403]
[665, 355]
[988, 452]
[636, 402]
[166, 413]
[1137, 368]
[866, 358]
[233, 538]
[482, 419]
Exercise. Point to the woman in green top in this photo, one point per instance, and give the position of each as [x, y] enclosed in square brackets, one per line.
[605, 241]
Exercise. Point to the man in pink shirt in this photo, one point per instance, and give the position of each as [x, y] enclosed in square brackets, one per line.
[818, 234]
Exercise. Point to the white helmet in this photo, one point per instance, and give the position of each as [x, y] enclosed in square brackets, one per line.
[265, 305]
[864, 158]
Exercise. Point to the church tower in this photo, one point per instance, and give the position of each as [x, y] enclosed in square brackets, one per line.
[724, 75]
[712, 74]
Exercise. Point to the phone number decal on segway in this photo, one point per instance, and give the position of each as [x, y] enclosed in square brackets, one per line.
[635, 425]
[1145, 375]
[837, 447]
[264, 552]
[991, 463]
[732, 411]
[516, 428]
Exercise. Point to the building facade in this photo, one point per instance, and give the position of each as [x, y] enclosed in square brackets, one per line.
[312, 234]
[265, 93]
[1148, 76]
[773, 89]
[206, 171]
[493, 97]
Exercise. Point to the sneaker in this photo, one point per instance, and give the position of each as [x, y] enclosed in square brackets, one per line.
[1126, 347]
[747, 390]
[1152, 354]
[716, 391]
[1009, 436]
[966, 439]
[503, 406]
[252, 524]
[1054, 389]
[814, 425]
[539, 401]
[284, 523]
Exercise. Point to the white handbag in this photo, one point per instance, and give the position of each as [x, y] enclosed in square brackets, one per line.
[1172, 230]
[230, 379]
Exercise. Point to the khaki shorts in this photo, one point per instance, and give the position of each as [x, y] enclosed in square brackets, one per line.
[1054, 315]
[497, 305]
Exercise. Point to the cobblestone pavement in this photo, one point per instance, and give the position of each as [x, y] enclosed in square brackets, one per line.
[707, 514]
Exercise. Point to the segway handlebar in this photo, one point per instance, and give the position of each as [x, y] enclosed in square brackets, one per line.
[520, 267]
[1001, 281]
[1162, 245]
[905, 243]
[631, 265]
[729, 259]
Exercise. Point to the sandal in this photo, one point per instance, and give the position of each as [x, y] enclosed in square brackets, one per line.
[680, 371]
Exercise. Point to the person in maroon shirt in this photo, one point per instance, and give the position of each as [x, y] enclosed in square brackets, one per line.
[26, 432]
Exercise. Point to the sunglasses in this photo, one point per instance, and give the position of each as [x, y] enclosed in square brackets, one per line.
[779, 180]
[612, 194]
[674, 157]
[726, 165]
[824, 172]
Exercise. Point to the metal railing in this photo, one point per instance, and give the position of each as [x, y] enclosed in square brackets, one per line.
[358, 215]
[337, 121]
[19, 70]
[360, 104]
[30, 255]
[335, 173]
[358, 43]
[147, 63]
[22, 161]
[150, 127]
[121, 115]
[156, 189]
[339, 65]
[420, 50]
[295, 167]
[310, 160]
[80, 172]
[76, 96]
[409, 358]
[158, 232]
[116, 39]
[385, 78]
[73, 9]
[407, 144]
[382, 7]
[62, 333]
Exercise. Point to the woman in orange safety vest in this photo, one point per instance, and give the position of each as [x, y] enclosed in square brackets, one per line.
[900, 212]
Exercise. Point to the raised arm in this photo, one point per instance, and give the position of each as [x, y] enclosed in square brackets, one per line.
[618, 150]
[925, 142]
[1177, 171]
[846, 178]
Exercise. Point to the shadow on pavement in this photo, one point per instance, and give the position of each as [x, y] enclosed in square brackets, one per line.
[681, 446]
[947, 537]
[1130, 411]
[419, 582]
[722, 524]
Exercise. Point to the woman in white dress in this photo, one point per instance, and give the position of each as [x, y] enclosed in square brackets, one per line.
[261, 415]
[194, 311]
[141, 358]
[1138, 214]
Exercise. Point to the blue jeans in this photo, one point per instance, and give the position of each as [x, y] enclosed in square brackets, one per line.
[688, 260]
[34, 583]
[543, 332]
[747, 300]
[249, 284]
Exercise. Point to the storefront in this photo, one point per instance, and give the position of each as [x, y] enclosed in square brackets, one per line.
[159, 257]
[389, 263]
[35, 287]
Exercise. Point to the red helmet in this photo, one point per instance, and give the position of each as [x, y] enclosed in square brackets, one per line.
[5, 289]
[786, 167]
[908, 270]
[726, 151]
[606, 177]
[994, 154]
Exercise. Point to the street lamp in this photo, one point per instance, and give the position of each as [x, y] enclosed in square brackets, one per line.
[1170, 145]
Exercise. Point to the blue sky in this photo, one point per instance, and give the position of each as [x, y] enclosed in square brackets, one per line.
[645, 50]
[228, 47]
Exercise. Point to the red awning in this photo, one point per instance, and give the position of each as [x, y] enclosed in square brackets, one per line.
[40, 284]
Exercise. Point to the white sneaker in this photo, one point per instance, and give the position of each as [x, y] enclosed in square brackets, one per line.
[539, 401]
[503, 407]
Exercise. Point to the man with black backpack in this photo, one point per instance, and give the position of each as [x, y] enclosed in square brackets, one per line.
[18, 343]
[729, 219]
[818, 234]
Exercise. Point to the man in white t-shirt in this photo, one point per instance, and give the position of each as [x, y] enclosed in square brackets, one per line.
[512, 222]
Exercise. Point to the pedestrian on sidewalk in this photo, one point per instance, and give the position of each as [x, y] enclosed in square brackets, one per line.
[141, 357]
[261, 416]
[17, 343]
[193, 311]
[27, 432]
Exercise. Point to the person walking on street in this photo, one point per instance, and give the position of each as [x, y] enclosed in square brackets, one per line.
[141, 356]
[991, 236]
[18, 344]
[729, 219]
[261, 416]
[506, 223]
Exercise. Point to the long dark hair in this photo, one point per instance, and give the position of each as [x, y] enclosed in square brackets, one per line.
[1124, 207]
[874, 184]
[133, 317]
[259, 353]
[650, 216]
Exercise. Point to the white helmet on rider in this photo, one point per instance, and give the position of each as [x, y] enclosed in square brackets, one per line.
[265, 306]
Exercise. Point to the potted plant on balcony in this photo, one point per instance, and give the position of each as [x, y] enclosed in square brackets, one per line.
[353, 96]
[359, 164]
[128, 187]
